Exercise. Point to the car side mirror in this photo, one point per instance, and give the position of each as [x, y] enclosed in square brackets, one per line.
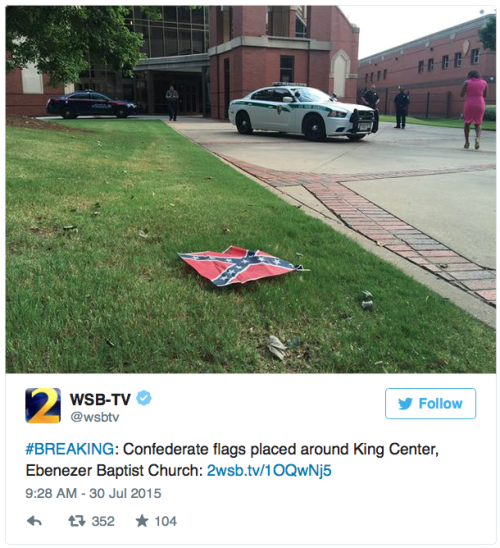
[288, 100]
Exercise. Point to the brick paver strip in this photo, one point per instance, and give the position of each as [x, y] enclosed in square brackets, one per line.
[461, 266]
[379, 225]
[488, 295]
[449, 260]
[474, 275]
[480, 284]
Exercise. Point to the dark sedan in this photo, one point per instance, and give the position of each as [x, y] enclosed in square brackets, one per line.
[89, 103]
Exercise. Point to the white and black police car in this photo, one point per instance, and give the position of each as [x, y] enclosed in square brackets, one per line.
[296, 108]
[89, 103]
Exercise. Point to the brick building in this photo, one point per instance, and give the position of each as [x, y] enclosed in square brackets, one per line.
[215, 54]
[28, 91]
[433, 69]
[253, 46]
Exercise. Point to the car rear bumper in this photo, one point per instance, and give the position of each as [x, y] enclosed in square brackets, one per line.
[51, 108]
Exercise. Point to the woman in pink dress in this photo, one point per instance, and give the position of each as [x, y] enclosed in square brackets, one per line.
[475, 90]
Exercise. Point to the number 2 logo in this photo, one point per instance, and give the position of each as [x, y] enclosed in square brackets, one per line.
[43, 405]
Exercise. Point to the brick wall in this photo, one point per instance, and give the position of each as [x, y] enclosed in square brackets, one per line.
[254, 67]
[30, 104]
[401, 65]
[249, 20]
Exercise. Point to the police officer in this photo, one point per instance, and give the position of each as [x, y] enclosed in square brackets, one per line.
[402, 100]
[371, 99]
[172, 98]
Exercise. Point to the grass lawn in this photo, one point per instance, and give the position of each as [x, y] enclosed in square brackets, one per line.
[441, 122]
[100, 298]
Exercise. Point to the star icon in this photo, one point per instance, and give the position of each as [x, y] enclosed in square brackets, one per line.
[142, 521]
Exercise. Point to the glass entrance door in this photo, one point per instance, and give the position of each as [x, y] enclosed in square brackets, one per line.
[187, 85]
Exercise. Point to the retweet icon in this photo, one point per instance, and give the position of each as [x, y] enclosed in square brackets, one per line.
[404, 404]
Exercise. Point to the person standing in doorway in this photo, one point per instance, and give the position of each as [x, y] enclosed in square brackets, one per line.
[402, 100]
[475, 91]
[172, 98]
[370, 98]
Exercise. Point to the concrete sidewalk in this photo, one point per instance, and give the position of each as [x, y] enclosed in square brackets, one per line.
[420, 180]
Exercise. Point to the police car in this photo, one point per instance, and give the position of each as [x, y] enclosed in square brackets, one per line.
[296, 108]
[89, 103]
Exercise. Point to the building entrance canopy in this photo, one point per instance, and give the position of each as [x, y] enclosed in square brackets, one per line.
[190, 63]
[187, 73]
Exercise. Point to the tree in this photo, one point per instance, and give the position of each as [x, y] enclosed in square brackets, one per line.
[62, 41]
[488, 34]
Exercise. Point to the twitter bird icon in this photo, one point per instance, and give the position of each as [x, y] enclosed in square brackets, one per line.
[405, 404]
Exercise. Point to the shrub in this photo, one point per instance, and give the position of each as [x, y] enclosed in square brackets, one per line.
[491, 113]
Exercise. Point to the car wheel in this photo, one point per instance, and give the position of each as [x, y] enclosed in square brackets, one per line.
[68, 113]
[314, 128]
[243, 123]
[121, 113]
[356, 137]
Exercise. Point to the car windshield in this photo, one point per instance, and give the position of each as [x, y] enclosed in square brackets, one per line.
[310, 95]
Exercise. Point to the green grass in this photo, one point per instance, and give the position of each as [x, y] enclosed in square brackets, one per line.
[440, 122]
[103, 299]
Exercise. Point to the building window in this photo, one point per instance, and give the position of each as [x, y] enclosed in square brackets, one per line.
[420, 67]
[385, 74]
[157, 47]
[181, 31]
[366, 78]
[445, 62]
[371, 76]
[32, 79]
[474, 57]
[286, 68]
[458, 59]
[430, 65]
[301, 22]
[378, 75]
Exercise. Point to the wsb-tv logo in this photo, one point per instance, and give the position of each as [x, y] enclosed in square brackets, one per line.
[43, 405]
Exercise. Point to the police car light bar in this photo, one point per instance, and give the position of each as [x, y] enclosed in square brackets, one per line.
[289, 84]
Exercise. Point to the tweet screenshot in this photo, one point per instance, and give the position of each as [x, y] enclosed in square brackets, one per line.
[250, 274]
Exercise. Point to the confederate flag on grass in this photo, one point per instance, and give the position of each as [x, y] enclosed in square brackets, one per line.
[237, 265]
